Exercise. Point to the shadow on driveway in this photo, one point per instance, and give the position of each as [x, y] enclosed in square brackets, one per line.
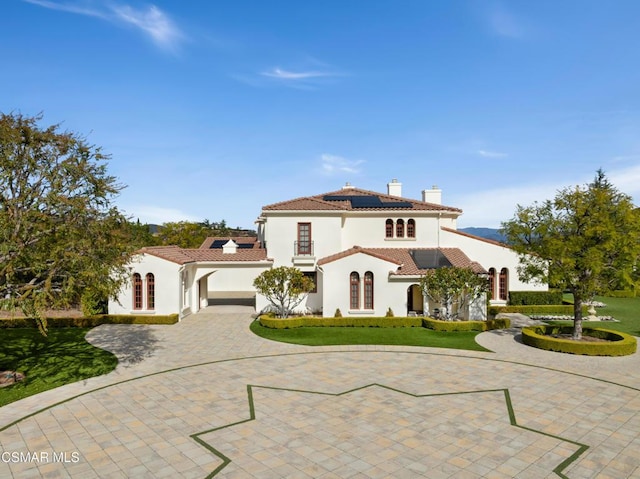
[131, 343]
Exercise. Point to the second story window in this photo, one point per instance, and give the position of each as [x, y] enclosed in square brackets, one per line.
[411, 229]
[388, 229]
[400, 229]
[304, 239]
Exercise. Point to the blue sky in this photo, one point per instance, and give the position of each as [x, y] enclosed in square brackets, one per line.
[211, 109]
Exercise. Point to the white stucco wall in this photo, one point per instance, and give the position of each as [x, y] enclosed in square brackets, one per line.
[234, 277]
[167, 287]
[490, 255]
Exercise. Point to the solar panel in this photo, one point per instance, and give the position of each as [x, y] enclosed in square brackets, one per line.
[397, 204]
[366, 202]
[429, 259]
[337, 197]
[217, 244]
[245, 245]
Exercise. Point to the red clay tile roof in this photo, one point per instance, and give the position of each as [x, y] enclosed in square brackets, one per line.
[480, 238]
[238, 239]
[316, 202]
[402, 257]
[183, 256]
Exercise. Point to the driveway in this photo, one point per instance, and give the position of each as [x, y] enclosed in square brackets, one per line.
[205, 397]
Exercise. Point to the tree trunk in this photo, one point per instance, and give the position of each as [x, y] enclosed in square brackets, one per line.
[577, 317]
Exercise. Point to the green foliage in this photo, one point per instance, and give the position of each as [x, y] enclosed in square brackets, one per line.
[549, 309]
[452, 326]
[90, 321]
[389, 313]
[517, 298]
[628, 293]
[453, 286]
[351, 322]
[338, 313]
[59, 231]
[285, 287]
[191, 234]
[586, 240]
[93, 303]
[617, 344]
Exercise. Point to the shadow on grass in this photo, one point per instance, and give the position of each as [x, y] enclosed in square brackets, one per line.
[63, 357]
[131, 343]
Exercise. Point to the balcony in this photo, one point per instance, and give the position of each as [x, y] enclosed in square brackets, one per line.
[303, 253]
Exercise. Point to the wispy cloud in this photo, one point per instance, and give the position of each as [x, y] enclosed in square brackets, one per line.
[492, 154]
[151, 21]
[289, 75]
[332, 164]
[504, 23]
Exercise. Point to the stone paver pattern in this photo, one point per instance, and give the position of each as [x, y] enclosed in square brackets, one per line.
[206, 397]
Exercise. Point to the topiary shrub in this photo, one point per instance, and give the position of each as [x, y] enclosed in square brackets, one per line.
[451, 326]
[90, 321]
[617, 344]
[389, 313]
[337, 314]
[517, 298]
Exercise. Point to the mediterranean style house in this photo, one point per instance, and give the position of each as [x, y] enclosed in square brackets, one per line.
[365, 251]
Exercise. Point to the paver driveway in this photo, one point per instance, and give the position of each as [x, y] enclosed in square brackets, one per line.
[206, 397]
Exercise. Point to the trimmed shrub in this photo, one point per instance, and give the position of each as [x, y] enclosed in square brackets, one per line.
[618, 343]
[389, 313]
[518, 298]
[338, 313]
[90, 321]
[555, 309]
[626, 293]
[438, 325]
[353, 322]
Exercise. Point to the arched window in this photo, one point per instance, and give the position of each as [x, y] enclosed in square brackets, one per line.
[388, 229]
[411, 229]
[368, 290]
[137, 291]
[354, 291]
[492, 283]
[151, 291]
[502, 285]
[400, 229]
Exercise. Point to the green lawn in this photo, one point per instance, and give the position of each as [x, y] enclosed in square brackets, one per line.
[625, 310]
[331, 336]
[48, 362]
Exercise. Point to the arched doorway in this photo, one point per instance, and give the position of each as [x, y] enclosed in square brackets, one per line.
[415, 300]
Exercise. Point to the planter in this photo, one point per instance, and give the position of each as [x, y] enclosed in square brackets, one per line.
[607, 343]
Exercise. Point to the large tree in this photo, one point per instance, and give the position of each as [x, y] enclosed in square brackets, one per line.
[586, 240]
[453, 288]
[284, 287]
[60, 235]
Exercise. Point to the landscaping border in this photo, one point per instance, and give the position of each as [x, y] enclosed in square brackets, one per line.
[618, 344]
[90, 321]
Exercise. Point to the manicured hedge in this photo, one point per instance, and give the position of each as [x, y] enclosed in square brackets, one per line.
[356, 322]
[517, 298]
[90, 321]
[539, 337]
[438, 325]
[625, 293]
[554, 309]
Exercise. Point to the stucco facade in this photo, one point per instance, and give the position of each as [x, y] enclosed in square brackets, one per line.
[366, 252]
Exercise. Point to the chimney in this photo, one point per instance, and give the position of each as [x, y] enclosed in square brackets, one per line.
[394, 188]
[229, 247]
[348, 186]
[434, 195]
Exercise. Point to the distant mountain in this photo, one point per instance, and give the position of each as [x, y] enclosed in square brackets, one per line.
[488, 233]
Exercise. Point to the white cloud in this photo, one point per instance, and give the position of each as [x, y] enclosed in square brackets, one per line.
[158, 214]
[152, 21]
[492, 154]
[489, 208]
[289, 75]
[332, 164]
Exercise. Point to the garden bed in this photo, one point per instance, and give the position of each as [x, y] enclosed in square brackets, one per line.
[596, 341]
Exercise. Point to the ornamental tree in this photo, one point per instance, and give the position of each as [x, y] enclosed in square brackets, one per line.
[60, 234]
[586, 240]
[285, 287]
[452, 286]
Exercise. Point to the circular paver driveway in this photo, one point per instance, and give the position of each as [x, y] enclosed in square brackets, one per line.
[206, 397]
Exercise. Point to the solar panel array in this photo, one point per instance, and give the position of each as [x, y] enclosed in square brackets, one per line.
[429, 259]
[368, 201]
